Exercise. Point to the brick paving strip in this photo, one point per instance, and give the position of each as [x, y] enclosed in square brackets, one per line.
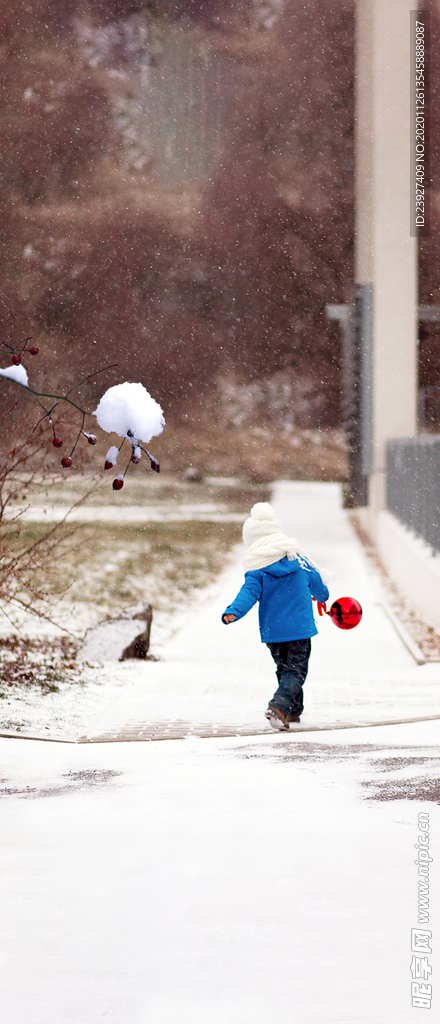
[157, 731]
[183, 730]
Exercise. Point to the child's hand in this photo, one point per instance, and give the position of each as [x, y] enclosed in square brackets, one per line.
[322, 607]
[229, 618]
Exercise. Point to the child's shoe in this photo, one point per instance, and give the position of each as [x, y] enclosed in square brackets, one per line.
[277, 719]
[293, 718]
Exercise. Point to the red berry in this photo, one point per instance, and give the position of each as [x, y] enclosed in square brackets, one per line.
[57, 442]
[34, 351]
[16, 360]
[111, 457]
[91, 438]
[66, 462]
[155, 466]
[136, 454]
[118, 483]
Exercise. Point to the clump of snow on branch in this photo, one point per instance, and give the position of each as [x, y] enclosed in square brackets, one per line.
[111, 457]
[17, 373]
[130, 411]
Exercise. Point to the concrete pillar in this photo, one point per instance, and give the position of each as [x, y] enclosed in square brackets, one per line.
[385, 254]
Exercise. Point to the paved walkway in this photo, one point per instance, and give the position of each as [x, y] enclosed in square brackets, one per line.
[216, 680]
[265, 880]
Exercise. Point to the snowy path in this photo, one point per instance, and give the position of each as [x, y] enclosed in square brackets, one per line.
[216, 680]
[233, 881]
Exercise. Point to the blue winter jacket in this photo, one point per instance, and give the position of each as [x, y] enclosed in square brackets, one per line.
[284, 590]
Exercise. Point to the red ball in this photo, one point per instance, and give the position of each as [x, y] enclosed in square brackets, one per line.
[66, 462]
[16, 360]
[57, 442]
[346, 612]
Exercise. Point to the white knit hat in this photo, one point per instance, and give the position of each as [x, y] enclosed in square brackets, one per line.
[262, 522]
[266, 543]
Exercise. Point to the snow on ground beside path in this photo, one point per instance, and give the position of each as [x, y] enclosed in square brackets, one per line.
[70, 712]
[168, 569]
[104, 683]
[235, 881]
[94, 687]
[128, 514]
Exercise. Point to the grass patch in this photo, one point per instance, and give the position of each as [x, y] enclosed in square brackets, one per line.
[145, 488]
[258, 454]
[117, 565]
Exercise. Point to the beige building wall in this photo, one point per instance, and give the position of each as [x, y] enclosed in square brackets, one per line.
[385, 254]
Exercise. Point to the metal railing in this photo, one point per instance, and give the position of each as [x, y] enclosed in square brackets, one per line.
[413, 485]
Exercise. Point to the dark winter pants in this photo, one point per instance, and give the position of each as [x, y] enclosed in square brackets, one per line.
[292, 661]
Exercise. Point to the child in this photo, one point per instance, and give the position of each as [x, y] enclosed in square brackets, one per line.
[279, 575]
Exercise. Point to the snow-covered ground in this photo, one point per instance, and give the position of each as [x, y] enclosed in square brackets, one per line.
[53, 513]
[235, 879]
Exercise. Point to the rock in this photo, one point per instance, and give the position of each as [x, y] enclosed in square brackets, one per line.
[137, 648]
[140, 645]
[111, 640]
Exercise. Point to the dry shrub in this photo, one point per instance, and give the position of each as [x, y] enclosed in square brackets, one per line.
[54, 128]
[26, 563]
[205, 11]
[281, 204]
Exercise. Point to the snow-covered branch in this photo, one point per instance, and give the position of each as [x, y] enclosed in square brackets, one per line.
[125, 409]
